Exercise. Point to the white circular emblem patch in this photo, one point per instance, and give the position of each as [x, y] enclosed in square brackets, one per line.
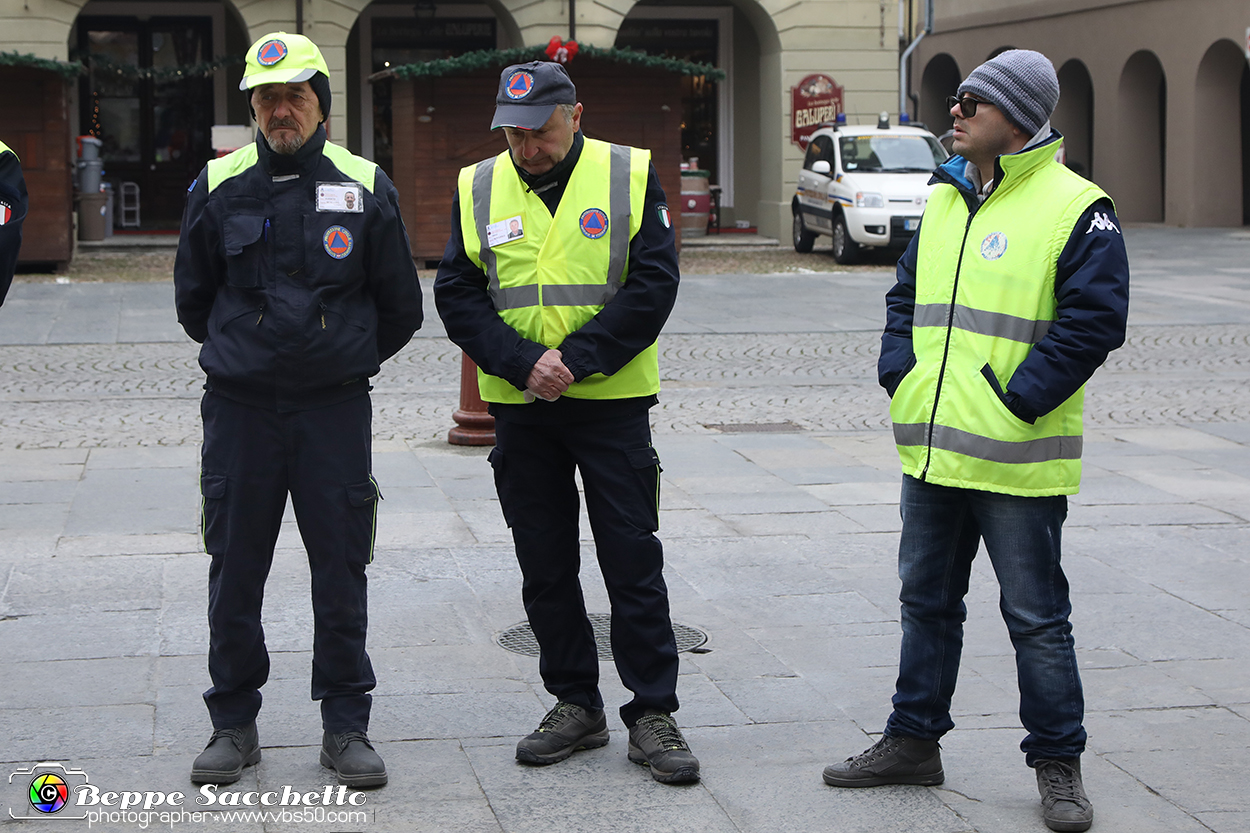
[994, 246]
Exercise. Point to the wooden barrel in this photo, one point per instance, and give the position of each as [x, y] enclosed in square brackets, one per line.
[696, 203]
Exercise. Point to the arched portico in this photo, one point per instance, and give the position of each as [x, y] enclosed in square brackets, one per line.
[940, 80]
[1074, 116]
[1216, 198]
[1141, 106]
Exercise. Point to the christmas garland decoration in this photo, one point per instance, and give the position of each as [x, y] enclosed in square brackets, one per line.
[102, 65]
[495, 58]
[69, 70]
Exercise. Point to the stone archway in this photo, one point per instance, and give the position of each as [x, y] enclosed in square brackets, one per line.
[1142, 107]
[1074, 116]
[1217, 173]
[940, 79]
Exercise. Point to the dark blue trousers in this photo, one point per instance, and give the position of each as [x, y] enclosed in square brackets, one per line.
[252, 459]
[534, 467]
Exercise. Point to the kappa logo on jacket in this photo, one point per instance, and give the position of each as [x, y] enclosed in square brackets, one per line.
[1102, 222]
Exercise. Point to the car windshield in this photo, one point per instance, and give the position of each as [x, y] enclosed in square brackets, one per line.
[893, 154]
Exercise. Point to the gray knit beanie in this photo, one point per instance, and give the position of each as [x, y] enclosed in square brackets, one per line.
[1021, 83]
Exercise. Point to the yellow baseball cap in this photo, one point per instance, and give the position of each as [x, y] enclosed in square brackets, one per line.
[282, 58]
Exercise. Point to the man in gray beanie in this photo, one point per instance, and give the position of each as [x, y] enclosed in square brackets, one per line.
[1008, 299]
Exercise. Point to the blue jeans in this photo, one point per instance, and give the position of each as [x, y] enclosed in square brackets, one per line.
[942, 528]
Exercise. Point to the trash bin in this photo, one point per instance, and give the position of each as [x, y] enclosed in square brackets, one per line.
[91, 210]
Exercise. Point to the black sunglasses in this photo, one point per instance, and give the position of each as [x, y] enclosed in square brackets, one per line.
[967, 105]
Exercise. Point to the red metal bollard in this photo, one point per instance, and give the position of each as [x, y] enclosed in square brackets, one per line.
[474, 426]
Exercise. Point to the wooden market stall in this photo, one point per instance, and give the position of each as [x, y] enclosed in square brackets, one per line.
[441, 123]
[36, 127]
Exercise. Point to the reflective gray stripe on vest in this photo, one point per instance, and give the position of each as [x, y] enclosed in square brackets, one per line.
[483, 177]
[559, 295]
[997, 324]
[618, 225]
[946, 438]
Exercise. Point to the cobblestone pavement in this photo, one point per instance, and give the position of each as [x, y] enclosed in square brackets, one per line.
[125, 395]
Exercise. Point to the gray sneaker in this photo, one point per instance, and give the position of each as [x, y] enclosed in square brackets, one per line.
[566, 729]
[655, 741]
[890, 761]
[1065, 806]
[228, 751]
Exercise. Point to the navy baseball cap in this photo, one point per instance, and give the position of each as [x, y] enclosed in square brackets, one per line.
[528, 94]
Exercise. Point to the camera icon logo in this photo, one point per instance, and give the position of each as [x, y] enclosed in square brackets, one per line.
[51, 785]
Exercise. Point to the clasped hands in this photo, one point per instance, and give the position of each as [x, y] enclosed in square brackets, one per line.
[550, 377]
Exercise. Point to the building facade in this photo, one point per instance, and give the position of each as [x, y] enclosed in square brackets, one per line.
[1154, 94]
[155, 117]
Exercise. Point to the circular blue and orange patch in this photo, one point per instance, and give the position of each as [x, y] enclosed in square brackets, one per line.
[519, 85]
[338, 242]
[270, 52]
[594, 223]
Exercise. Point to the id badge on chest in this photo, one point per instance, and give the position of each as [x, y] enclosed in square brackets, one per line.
[341, 197]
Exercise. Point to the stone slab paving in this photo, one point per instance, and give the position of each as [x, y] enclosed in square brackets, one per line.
[780, 523]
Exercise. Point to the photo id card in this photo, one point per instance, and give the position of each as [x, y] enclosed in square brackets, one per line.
[504, 230]
[341, 197]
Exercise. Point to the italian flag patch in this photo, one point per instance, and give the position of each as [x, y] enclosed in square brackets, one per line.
[665, 217]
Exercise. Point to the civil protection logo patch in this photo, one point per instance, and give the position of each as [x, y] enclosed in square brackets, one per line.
[270, 52]
[337, 242]
[994, 245]
[519, 85]
[594, 223]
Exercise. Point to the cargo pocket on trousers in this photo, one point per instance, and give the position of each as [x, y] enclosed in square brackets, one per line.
[364, 498]
[496, 460]
[646, 465]
[212, 497]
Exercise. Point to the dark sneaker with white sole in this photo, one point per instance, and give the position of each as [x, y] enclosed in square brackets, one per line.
[353, 759]
[1065, 807]
[890, 761]
[566, 729]
[655, 741]
[228, 751]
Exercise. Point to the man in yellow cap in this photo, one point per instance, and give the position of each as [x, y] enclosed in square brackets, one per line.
[295, 273]
[12, 213]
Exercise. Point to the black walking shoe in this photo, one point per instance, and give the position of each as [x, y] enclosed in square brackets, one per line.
[890, 761]
[655, 741]
[353, 758]
[228, 751]
[1065, 806]
[566, 729]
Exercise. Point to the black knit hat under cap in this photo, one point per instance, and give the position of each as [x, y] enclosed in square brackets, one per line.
[319, 84]
[1021, 83]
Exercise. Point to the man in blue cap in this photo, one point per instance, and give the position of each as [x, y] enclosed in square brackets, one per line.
[559, 275]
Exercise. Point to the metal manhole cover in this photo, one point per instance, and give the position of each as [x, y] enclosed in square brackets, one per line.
[519, 639]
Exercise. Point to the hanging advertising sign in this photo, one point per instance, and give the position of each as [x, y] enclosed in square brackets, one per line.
[816, 99]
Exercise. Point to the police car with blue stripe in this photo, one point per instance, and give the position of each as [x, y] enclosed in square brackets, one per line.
[864, 186]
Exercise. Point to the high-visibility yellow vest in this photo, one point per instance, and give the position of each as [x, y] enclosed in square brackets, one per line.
[985, 294]
[563, 269]
[5, 148]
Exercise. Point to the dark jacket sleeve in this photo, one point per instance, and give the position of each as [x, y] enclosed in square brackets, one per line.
[1091, 288]
[473, 325]
[13, 196]
[632, 320]
[897, 356]
[391, 273]
[198, 263]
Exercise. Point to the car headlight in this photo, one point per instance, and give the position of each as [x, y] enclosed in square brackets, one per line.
[865, 199]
